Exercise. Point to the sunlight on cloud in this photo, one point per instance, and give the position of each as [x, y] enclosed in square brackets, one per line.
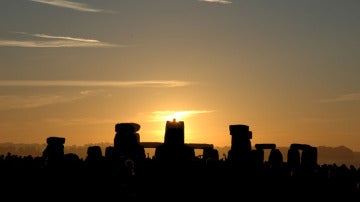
[344, 98]
[150, 83]
[217, 1]
[71, 5]
[178, 115]
[55, 42]
[66, 38]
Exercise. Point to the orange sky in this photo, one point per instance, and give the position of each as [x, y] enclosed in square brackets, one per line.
[288, 69]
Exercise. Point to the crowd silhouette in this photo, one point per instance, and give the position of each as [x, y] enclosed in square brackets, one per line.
[123, 171]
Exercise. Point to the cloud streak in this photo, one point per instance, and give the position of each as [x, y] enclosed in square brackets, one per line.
[217, 1]
[65, 38]
[48, 41]
[70, 5]
[27, 102]
[59, 83]
[51, 44]
[9, 102]
[345, 98]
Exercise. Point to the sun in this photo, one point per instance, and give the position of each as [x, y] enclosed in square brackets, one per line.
[178, 116]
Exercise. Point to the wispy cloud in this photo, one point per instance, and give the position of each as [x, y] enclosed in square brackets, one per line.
[217, 1]
[33, 101]
[49, 83]
[71, 5]
[49, 41]
[26, 102]
[15, 101]
[344, 98]
[65, 38]
[51, 44]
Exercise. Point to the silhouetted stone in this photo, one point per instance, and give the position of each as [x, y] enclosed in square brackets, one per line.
[184, 178]
[265, 146]
[259, 152]
[302, 160]
[174, 148]
[126, 135]
[174, 133]
[293, 158]
[275, 157]
[53, 154]
[308, 157]
[94, 158]
[240, 144]
[127, 148]
[94, 152]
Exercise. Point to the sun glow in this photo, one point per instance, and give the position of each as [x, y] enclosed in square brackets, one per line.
[177, 116]
[169, 115]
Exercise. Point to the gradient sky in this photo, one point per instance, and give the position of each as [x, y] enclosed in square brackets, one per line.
[289, 69]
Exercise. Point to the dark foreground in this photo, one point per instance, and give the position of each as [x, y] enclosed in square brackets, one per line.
[196, 180]
[175, 173]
